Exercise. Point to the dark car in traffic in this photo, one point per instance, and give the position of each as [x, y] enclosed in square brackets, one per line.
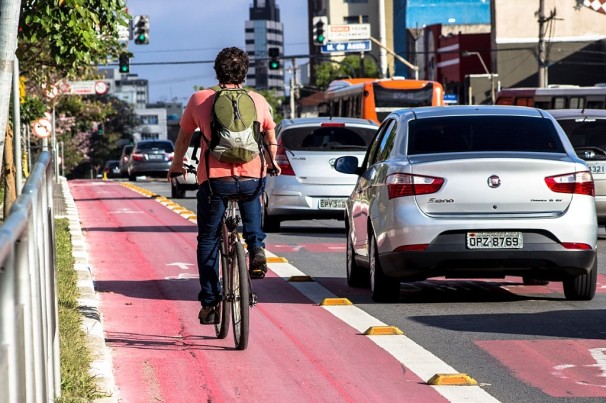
[150, 158]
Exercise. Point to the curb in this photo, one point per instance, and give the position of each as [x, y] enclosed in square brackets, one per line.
[92, 321]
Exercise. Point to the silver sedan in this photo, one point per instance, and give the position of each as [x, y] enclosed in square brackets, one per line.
[470, 191]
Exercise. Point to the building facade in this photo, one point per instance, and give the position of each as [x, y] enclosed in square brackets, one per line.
[264, 30]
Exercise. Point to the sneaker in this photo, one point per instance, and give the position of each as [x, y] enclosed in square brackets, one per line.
[257, 263]
[208, 315]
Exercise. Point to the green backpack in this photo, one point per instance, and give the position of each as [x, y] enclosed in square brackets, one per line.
[235, 132]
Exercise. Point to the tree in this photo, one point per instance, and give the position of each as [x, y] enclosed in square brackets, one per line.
[349, 67]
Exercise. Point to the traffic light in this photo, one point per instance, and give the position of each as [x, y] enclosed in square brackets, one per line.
[141, 29]
[124, 63]
[320, 24]
[274, 63]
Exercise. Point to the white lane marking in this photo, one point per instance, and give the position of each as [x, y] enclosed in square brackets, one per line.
[182, 266]
[414, 357]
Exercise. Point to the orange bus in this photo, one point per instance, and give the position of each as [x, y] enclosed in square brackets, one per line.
[374, 98]
[555, 97]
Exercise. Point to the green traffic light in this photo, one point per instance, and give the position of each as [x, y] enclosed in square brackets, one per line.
[321, 38]
[274, 65]
[123, 69]
[142, 37]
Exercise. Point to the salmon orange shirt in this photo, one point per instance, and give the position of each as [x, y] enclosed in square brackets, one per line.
[197, 114]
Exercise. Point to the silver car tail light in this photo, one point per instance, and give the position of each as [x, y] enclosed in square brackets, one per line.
[282, 160]
[574, 183]
[401, 184]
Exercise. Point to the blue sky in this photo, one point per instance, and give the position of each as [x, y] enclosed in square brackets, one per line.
[193, 30]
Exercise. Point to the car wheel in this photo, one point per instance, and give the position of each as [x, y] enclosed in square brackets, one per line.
[382, 288]
[357, 276]
[582, 288]
[534, 281]
[269, 224]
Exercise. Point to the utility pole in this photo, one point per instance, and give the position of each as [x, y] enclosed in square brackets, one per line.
[542, 46]
[293, 89]
[9, 10]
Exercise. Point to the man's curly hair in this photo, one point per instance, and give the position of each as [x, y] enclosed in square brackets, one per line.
[231, 65]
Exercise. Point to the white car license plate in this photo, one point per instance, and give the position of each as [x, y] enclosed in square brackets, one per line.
[156, 156]
[332, 203]
[494, 240]
[597, 167]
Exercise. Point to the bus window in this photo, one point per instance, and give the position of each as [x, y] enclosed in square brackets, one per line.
[595, 104]
[524, 101]
[559, 103]
[576, 103]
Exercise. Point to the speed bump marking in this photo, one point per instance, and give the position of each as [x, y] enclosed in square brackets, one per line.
[300, 278]
[276, 259]
[336, 301]
[383, 331]
[452, 380]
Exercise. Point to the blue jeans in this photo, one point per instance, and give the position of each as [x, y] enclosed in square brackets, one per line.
[211, 208]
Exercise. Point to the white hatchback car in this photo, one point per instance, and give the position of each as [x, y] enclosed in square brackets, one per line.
[309, 187]
[470, 191]
[180, 184]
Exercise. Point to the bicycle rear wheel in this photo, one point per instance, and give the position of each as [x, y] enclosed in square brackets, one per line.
[241, 303]
[224, 307]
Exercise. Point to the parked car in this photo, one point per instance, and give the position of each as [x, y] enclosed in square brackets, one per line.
[586, 129]
[470, 191]
[111, 169]
[309, 187]
[126, 151]
[180, 184]
[150, 158]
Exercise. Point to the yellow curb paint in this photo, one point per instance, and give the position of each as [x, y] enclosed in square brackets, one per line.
[276, 259]
[383, 331]
[336, 301]
[452, 380]
[300, 278]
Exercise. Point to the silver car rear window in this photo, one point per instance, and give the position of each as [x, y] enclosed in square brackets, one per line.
[483, 133]
[327, 138]
[156, 145]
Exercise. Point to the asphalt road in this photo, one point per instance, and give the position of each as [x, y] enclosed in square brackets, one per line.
[522, 343]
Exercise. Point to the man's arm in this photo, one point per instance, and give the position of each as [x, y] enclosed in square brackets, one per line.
[272, 148]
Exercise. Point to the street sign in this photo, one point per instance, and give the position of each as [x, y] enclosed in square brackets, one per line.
[42, 128]
[88, 87]
[353, 46]
[348, 32]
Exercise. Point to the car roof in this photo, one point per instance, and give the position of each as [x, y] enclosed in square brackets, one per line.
[577, 113]
[314, 121]
[479, 110]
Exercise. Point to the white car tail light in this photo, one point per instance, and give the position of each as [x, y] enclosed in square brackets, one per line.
[401, 184]
[575, 183]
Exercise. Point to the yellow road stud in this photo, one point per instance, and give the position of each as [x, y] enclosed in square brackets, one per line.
[336, 301]
[452, 380]
[383, 331]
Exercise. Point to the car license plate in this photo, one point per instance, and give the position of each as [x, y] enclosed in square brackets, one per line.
[494, 240]
[332, 203]
[597, 167]
[156, 156]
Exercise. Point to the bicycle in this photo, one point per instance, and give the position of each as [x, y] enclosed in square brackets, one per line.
[236, 286]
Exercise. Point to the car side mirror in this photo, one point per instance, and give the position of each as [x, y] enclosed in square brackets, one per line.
[347, 165]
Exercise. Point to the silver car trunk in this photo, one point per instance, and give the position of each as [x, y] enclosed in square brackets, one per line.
[494, 186]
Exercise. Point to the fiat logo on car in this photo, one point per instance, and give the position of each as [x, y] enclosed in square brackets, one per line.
[494, 181]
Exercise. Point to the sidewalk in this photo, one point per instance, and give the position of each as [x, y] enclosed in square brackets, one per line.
[92, 323]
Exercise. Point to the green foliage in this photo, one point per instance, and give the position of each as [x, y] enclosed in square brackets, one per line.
[67, 38]
[274, 101]
[349, 67]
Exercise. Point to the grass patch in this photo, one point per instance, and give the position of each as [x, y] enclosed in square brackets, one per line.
[77, 385]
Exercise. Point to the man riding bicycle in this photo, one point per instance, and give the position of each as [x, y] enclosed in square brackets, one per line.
[219, 180]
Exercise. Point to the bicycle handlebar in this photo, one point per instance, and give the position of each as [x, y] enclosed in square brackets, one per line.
[189, 168]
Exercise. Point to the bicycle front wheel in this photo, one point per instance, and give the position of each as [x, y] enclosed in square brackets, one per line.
[240, 306]
[222, 327]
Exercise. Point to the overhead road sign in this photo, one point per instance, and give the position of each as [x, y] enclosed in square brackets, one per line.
[348, 32]
[353, 46]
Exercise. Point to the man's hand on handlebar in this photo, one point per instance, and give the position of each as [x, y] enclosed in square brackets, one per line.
[180, 169]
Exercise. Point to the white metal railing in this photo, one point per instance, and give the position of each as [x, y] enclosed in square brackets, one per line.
[29, 324]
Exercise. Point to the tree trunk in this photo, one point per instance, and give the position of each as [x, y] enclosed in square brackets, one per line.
[10, 188]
